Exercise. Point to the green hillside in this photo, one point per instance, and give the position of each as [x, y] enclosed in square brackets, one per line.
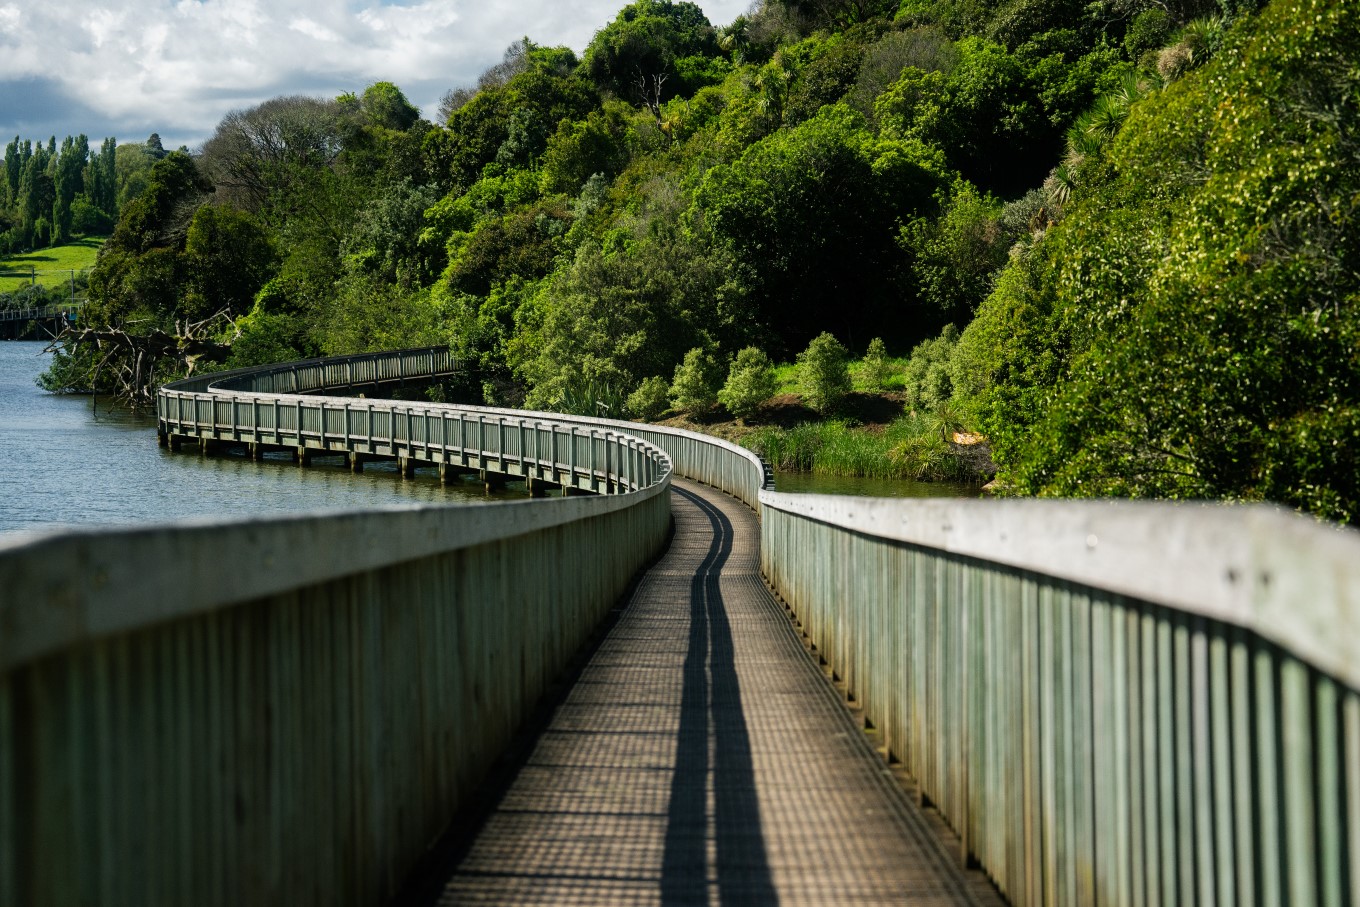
[50, 267]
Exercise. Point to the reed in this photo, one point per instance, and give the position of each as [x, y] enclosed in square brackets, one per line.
[909, 448]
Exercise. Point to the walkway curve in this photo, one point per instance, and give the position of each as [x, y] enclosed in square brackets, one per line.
[702, 757]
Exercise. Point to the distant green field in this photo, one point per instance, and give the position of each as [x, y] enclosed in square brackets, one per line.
[50, 267]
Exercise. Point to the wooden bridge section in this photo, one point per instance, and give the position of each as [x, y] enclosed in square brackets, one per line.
[1107, 703]
[702, 757]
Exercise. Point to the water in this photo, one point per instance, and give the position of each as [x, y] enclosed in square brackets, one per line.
[63, 462]
[807, 483]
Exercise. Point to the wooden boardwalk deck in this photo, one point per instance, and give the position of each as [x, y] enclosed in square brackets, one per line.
[703, 758]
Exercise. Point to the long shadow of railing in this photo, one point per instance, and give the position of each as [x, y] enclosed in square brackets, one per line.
[711, 698]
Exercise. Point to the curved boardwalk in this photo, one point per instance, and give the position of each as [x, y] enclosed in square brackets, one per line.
[703, 758]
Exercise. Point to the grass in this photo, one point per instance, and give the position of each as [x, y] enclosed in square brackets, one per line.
[908, 448]
[51, 267]
[871, 437]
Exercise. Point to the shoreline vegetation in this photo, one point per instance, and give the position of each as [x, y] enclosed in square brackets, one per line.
[869, 431]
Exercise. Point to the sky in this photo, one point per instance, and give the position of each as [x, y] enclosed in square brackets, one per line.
[128, 68]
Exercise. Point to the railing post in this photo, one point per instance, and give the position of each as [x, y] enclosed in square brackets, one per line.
[571, 456]
[593, 461]
[608, 463]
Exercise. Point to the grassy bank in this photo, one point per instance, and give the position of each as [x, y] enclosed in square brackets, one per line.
[48, 267]
[907, 448]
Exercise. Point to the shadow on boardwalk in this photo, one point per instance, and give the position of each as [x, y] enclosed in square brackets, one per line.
[711, 703]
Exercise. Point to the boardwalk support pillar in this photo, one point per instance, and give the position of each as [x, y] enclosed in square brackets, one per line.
[356, 462]
[303, 456]
[448, 473]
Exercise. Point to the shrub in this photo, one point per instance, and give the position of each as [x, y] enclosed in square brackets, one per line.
[750, 382]
[874, 368]
[695, 387]
[1148, 31]
[929, 382]
[823, 373]
[649, 401]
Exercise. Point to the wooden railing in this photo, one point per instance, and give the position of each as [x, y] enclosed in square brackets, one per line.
[1111, 703]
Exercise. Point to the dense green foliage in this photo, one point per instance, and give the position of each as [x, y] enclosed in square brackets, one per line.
[1190, 327]
[1142, 213]
[50, 194]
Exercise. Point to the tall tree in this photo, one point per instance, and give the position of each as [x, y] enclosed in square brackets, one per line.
[68, 182]
[101, 178]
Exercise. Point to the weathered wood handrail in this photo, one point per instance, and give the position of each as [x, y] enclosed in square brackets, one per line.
[1111, 703]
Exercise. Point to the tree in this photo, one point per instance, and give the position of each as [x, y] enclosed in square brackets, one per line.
[750, 382]
[929, 374]
[985, 102]
[873, 369]
[37, 195]
[1188, 329]
[635, 57]
[534, 100]
[263, 152]
[958, 254]
[383, 104]
[68, 181]
[228, 257]
[650, 400]
[808, 218]
[695, 386]
[823, 373]
[101, 179]
[613, 317]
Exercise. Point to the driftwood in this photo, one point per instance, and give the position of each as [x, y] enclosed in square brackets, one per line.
[131, 360]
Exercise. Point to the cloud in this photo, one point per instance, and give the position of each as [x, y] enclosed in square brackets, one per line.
[130, 67]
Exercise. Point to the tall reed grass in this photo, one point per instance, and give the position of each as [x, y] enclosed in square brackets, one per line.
[910, 448]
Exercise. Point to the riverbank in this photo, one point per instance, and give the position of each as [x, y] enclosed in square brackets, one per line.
[870, 437]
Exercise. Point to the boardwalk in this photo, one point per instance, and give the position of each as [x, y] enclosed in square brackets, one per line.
[703, 758]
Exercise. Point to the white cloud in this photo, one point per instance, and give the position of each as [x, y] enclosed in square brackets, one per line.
[10, 19]
[177, 66]
[314, 30]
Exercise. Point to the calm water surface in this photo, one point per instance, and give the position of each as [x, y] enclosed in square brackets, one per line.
[807, 483]
[64, 462]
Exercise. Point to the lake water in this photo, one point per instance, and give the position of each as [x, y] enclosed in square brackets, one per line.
[64, 461]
